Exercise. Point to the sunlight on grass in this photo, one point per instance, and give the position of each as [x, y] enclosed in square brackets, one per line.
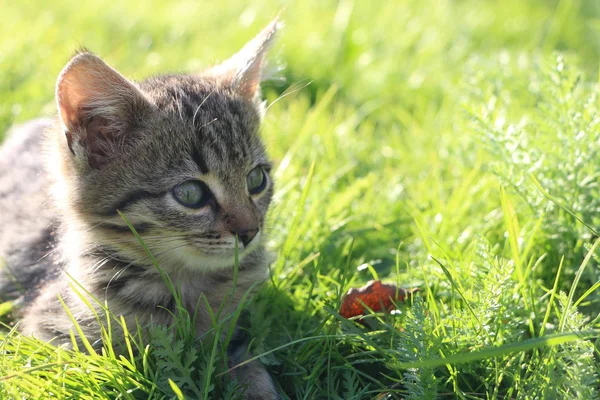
[449, 145]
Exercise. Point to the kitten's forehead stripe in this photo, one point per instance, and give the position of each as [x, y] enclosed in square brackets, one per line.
[218, 129]
[191, 101]
[199, 160]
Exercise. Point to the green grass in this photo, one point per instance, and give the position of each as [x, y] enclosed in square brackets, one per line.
[449, 145]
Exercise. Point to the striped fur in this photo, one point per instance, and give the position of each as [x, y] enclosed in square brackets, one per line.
[119, 146]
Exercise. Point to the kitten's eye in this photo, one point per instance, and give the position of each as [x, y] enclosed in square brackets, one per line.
[256, 180]
[193, 194]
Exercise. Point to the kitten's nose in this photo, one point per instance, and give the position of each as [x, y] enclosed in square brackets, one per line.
[246, 236]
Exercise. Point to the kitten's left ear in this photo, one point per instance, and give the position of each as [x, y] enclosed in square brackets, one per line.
[245, 69]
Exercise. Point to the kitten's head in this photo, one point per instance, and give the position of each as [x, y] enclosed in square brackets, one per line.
[179, 155]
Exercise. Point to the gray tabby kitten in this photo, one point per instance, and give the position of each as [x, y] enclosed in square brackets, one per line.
[180, 156]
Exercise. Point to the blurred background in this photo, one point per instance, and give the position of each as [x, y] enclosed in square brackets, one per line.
[400, 130]
[388, 53]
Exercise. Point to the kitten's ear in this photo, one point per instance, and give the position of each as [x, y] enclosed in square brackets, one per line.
[244, 70]
[97, 106]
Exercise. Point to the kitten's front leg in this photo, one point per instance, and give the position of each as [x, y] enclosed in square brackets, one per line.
[258, 382]
[253, 376]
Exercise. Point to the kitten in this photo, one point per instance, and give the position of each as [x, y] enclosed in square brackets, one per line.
[179, 156]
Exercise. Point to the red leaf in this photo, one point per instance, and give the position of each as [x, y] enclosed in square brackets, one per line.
[374, 295]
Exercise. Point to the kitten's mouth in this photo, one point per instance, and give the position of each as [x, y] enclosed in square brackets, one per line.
[199, 256]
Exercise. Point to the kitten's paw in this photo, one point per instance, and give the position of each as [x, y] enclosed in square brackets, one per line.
[261, 388]
[257, 381]
[252, 376]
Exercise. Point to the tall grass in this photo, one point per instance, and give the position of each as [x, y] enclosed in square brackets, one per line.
[449, 145]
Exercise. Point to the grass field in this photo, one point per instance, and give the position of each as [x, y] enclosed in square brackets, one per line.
[448, 145]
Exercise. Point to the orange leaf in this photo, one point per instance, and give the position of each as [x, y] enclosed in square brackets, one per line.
[374, 295]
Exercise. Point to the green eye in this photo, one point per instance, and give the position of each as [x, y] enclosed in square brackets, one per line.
[256, 180]
[193, 194]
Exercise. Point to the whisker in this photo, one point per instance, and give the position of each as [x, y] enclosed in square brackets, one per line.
[208, 123]
[171, 249]
[93, 226]
[54, 250]
[100, 264]
[178, 103]
[153, 241]
[198, 108]
[134, 239]
[296, 87]
[99, 247]
[117, 275]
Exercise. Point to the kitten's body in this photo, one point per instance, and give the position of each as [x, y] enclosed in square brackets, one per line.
[27, 222]
[124, 147]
